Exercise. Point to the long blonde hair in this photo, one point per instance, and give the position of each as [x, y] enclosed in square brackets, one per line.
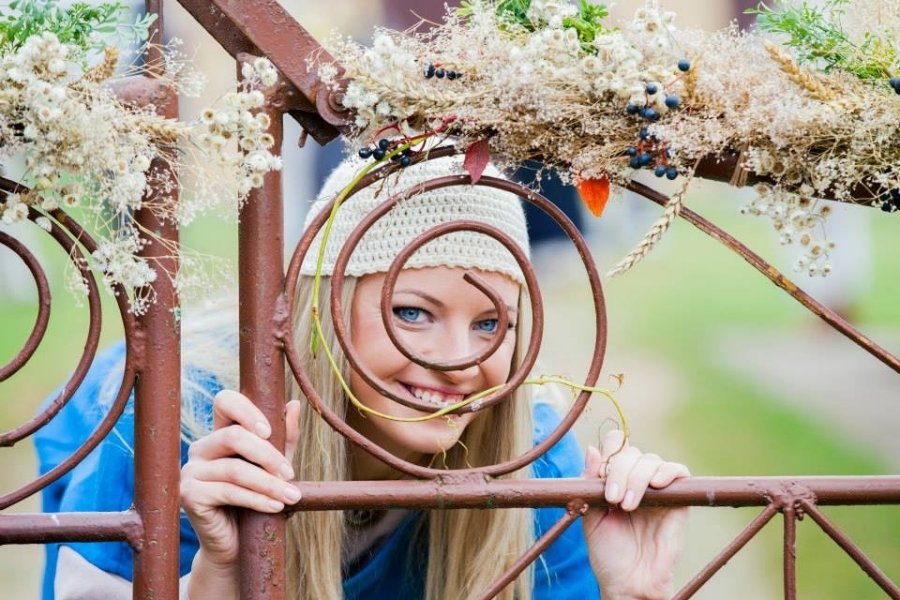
[467, 549]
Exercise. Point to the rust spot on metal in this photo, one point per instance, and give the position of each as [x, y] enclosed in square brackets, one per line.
[281, 318]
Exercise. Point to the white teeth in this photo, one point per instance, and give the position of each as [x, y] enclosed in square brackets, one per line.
[433, 397]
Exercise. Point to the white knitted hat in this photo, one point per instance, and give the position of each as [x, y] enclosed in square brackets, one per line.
[411, 217]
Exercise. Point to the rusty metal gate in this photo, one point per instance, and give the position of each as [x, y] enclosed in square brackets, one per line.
[263, 28]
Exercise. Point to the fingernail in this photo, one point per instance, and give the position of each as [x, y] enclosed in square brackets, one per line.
[262, 429]
[612, 492]
[628, 502]
[292, 494]
[275, 505]
[286, 471]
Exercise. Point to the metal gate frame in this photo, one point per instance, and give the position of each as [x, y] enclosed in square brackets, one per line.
[263, 28]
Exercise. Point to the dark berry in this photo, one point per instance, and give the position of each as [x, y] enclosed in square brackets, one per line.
[383, 143]
[659, 171]
[405, 161]
[895, 82]
[651, 88]
[632, 109]
[451, 74]
[644, 134]
[672, 101]
[631, 151]
[634, 163]
[365, 152]
[672, 173]
[645, 159]
[439, 73]
[887, 207]
[429, 71]
[684, 65]
[651, 115]
[378, 154]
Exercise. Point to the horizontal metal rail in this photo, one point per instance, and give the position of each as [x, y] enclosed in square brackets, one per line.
[481, 492]
[44, 528]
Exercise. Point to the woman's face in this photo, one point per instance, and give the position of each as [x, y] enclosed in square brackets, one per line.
[442, 318]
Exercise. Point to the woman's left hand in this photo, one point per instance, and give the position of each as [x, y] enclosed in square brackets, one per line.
[633, 551]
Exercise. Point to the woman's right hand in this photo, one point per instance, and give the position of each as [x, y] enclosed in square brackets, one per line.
[236, 466]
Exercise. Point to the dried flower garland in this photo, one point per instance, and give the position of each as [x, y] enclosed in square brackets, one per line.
[548, 80]
[81, 146]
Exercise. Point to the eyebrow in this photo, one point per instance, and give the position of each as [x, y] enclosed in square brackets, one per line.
[429, 298]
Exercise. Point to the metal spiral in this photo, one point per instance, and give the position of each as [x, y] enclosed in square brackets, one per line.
[513, 381]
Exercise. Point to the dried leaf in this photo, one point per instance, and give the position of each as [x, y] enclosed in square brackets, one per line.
[619, 378]
[594, 193]
[477, 157]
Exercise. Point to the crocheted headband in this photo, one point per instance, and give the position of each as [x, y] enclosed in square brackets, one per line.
[411, 217]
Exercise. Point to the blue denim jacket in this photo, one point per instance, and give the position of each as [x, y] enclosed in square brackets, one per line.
[104, 481]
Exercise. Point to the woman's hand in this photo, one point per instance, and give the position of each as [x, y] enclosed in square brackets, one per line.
[633, 550]
[236, 466]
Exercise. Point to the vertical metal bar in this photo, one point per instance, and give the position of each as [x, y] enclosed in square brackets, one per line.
[157, 393]
[154, 57]
[260, 259]
[790, 552]
[744, 20]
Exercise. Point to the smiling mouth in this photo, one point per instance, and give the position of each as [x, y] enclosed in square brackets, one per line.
[433, 397]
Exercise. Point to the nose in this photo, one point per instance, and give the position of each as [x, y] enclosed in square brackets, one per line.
[457, 344]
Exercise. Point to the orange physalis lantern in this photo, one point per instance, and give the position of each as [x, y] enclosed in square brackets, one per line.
[594, 193]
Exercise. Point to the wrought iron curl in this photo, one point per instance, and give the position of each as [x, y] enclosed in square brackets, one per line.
[514, 380]
[75, 241]
[43, 316]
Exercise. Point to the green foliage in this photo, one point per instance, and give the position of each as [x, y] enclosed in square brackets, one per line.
[817, 35]
[588, 21]
[80, 24]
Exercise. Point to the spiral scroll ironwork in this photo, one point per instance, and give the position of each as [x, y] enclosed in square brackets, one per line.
[514, 380]
[43, 316]
[75, 241]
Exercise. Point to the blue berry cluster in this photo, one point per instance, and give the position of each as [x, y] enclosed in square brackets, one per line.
[650, 150]
[380, 149]
[645, 112]
[895, 83]
[440, 72]
[890, 201]
[671, 101]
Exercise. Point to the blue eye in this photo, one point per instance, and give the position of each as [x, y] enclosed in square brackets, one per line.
[410, 314]
[487, 325]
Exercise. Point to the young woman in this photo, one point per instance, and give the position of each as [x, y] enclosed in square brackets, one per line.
[626, 552]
